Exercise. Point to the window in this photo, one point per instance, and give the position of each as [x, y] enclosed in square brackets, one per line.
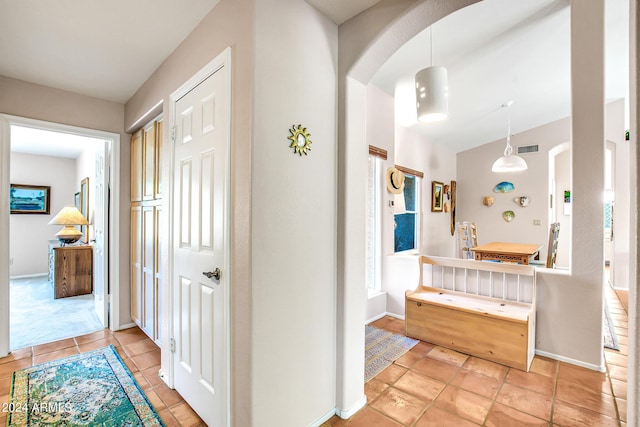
[373, 224]
[407, 224]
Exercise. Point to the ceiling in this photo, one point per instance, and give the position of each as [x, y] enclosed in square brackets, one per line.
[49, 143]
[498, 51]
[104, 49]
[507, 51]
[341, 10]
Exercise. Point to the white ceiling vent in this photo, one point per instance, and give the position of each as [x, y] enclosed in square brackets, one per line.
[525, 149]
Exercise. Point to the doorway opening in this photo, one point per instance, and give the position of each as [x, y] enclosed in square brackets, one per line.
[31, 152]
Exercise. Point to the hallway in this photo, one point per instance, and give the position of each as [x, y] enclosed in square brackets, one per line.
[428, 386]
[139, 353]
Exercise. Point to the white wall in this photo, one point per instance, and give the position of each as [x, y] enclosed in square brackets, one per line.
[293, 216]
[38, 102]
[562, 174]
[438, 164]
[409, 149]
[381, 134]
[30, 234]
[475, 181]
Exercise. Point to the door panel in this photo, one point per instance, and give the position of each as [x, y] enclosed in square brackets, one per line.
[201, 198]
[149, 143]
[136, 166]
[207, 167]
[159, 139]
[148, 269]
[136, 264]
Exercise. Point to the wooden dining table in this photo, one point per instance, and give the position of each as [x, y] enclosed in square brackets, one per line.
[521, 253]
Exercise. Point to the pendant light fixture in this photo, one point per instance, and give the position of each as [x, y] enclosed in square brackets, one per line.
[509, 162]
[432, 93]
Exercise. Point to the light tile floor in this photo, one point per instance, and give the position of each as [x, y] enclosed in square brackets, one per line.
[139, 353]
[428, 386]
[434, 386]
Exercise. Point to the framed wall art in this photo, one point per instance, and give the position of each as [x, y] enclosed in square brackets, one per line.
[30, 199]
[437, 191]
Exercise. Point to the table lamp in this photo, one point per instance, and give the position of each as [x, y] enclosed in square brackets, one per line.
[69, 216]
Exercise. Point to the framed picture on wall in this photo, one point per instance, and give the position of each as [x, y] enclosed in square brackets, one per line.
[437, 190]
[30, 199]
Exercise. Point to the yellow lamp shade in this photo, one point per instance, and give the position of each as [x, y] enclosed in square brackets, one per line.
[69, 216]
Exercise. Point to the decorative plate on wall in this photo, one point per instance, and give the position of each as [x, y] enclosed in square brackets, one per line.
[504, 187]
[508, 215]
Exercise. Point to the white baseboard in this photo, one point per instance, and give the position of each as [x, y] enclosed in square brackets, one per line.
[348, 413]
[373, 319]
[397, 316]
[571, 361]
[164, 377]
[380, 316]
[126, 326]
[322, 419]
[26, 276]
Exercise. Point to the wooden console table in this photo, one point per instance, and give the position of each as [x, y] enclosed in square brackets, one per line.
[506, 252]
[70, 269]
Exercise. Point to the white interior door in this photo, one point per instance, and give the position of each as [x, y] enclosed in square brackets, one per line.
[200, 242]
[100, 268]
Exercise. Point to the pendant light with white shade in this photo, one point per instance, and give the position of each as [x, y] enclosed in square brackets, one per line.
[509, 162]
[432, 92]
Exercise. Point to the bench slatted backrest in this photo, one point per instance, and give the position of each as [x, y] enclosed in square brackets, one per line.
[511, 282]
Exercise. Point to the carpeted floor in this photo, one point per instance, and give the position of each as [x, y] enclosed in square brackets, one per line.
[37, 318]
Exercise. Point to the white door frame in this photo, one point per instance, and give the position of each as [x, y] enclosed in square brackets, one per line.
[113, 226]
[5, 154]
[167, 356]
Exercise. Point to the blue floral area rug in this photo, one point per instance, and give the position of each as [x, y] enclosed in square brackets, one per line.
[90, 389]
[381, 348]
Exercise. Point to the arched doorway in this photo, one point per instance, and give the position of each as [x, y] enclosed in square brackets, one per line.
[359, 58]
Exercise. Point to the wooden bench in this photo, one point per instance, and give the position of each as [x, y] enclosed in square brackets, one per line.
[484, 309]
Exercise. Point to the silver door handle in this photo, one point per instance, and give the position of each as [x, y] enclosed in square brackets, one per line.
[215, 274]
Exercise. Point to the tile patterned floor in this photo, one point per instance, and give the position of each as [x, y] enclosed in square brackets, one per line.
[141, 355]
[428, 386]
[434, 386]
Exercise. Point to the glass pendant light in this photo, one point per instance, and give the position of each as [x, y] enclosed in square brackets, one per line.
[432, 93]
[509, 162]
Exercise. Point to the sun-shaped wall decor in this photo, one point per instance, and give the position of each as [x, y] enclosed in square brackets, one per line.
[300, 140]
